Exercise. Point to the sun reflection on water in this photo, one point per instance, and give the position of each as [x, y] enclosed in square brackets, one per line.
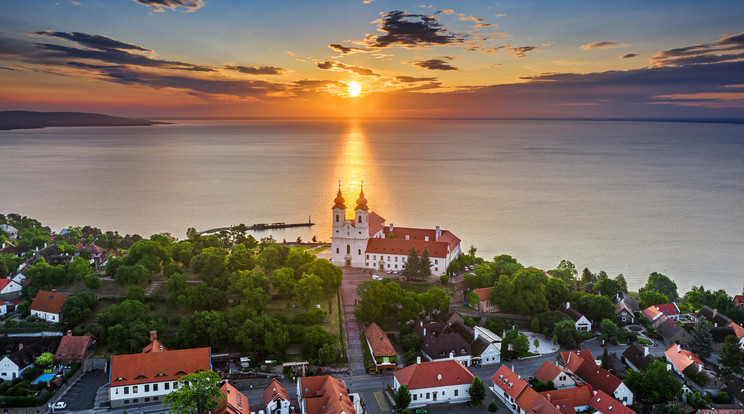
[355, 166]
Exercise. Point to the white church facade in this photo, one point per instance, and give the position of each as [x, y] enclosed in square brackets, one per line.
[367, 242]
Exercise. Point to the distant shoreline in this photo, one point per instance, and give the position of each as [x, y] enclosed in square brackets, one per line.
[12, 120]
[738, 121]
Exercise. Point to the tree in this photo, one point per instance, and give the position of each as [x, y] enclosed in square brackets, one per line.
[196, 393]
[506, 265]
[557, 292]
[608, 287]
[662, 284]
[672, 408]
[78, 268]
[309, 290]
[77, 307]
[44, 360]
[623, 284]
[330, 275]
[126, 326]
[131, 275]
[605, 359]
[240, 258]
[566, 271]
[271, 257]
[587, 276]
[135, 292]
[492, 407]
[425, 265]
[411, 270]
[473, 299]
[609, 329]
[655, 385]
[521, 346]
[651, 297]
[731, 359]
[697, 400]
[402, 397]
[207, 328]
[566, 333]
[283, 281]
[477, 391]
[92, 281]
[701, 340]
[210, 263]
[535, 325]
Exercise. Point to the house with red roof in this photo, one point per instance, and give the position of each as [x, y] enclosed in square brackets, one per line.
[435, 382]
[48, 305]
[365, 241]
[3, 308]
[324, 395]
[739, 300]
[10, 288]
[516, 393]
[682, 358]
[570, 399]
[382, 350]
[485, 304]
[235, 402]
[143, 378]
[74, 348]
[583, 365]
[276, 398]
[605, 404]
[549, 372]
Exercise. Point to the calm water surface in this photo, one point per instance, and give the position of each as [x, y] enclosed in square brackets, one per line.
[626, 197]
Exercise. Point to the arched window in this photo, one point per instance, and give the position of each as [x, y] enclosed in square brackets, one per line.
[359, 252]
[360, 218]
[348, 249]
[337, 250]
[337, 218]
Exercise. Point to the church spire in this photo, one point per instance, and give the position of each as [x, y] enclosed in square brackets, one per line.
[361, 201]
[339, 200]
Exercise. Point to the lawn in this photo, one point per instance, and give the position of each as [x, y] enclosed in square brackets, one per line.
[644, 341]
[289, 308]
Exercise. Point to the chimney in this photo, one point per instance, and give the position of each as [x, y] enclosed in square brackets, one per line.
[548, 397]
[439, 377]
[69, 333]
[153, 335]
[678, 348]
[20, 346]
[645, 351]
[715, 312]
[424, 333]
[418, 360]
[391, 227]
[339, 396]
[439, 232]
[426, 238]
[452, 355]
[700, 367]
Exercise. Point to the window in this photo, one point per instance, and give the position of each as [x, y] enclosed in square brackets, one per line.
[360, 218]
[348, 249]
[126, 390]
[337, 251]
[147, 399]
[166, 386]
[436, 269]
[154, 387]
[428, 395]
[359, 252]
[456, 391]
[396, 266]
[135, 400]
[337, 218]
[134, 390]
[155, 398]
[374, 257]
[396, 258]
[126, 401]
[367, 257]
[436, 261]
[414, 397]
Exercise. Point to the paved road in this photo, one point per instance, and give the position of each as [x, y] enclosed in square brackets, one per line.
[353, 277]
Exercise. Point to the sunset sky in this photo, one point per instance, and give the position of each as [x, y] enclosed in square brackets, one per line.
[255, 58]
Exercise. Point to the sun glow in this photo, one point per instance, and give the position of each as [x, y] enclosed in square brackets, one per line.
[354, 89]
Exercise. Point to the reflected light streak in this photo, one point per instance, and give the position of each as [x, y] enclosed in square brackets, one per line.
[355, 166]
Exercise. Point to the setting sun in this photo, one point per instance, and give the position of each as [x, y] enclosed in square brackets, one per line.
[354, 89]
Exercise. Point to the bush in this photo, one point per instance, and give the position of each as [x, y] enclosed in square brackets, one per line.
[696, 376]
[496, 325]
[632, 337]
[722, 398]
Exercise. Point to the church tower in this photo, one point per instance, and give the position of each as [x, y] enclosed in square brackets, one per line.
[361, 212]
[349, 237]
[339, 210]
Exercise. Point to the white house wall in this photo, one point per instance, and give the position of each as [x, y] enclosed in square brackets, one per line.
[125, 395]
[51, 317]
[424, 396]
[9, 370]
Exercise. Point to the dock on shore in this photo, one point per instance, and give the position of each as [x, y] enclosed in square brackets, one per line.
[263, 226]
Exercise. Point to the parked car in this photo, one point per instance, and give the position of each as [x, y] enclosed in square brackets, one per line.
[375, 277]
[59, 405]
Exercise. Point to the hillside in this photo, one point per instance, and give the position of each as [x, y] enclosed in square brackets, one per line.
[29, 119]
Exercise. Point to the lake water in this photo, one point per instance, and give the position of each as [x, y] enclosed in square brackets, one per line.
[624, 197]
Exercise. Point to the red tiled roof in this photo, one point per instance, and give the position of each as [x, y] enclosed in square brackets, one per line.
[547, 372]
[403, 247]
[483, 293]
[235, 402]
[509, 381]
[738, 329]
[668, 308]
[651, 313]
[579, 396]
[379, 342]
[598, 377]
[50, 302]
[72, 348]
[605, 404]
[376, 223]
[154, 346]
[527, 398]
[434, 374]
[158, 366]
[274, 391]
[739, 300]
[3, 283]
[682, 358]
[584, 354]
[325, 395]
[564, 406]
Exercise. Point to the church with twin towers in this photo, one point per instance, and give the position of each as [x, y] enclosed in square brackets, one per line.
[367, 242]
